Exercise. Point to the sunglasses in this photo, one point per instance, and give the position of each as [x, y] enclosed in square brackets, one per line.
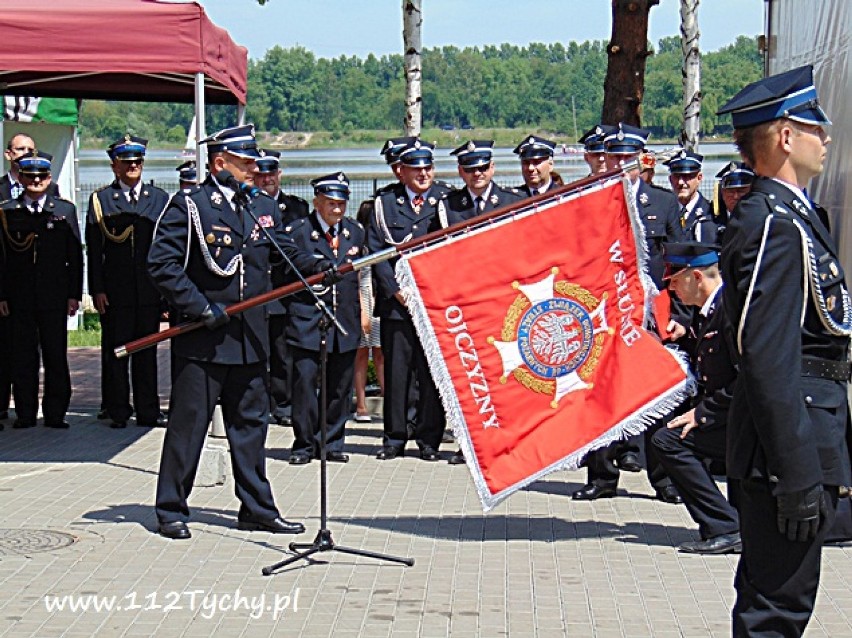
[470, 170]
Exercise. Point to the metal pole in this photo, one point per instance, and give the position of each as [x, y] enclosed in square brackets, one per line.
[200, 129]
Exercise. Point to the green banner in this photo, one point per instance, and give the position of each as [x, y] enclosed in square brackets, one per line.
[41, 109]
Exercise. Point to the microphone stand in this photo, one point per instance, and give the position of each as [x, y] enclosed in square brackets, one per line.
[323, 542]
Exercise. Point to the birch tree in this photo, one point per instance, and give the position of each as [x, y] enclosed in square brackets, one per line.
[412, 21]
[689, 35]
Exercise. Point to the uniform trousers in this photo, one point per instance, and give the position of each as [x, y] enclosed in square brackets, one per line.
[776, 578]
[684, 462]
[196, 387]
[121, 325]
[603, 472]
[44, 334]
[405, 365]
[340, 375]
[280, 367]
[5, 364]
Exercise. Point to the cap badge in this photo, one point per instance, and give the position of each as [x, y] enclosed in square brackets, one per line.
[127, 139]
[620, 136]
[531, 140]
[417, 144]
[341, 177]
[471, 147]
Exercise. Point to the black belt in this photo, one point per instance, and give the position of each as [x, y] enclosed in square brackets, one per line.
[826, 369]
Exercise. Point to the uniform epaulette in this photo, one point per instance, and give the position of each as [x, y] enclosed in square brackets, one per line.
[295, 224]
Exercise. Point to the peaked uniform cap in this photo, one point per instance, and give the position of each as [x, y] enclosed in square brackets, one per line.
[534, 147]
[417, 153]
[394, 146]
[187, 171]
[624, 139]
[684, 162]
[474, 153]
[34, 163]
[791, 94]
[735, 175]
[128, 147]
[269, 162]
[333, 186]
[237, 140]
[593, 139]
[688, 254]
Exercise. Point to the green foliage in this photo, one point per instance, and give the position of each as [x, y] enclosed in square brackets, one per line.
[504, 86]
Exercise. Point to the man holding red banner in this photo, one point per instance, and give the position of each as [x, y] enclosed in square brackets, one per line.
[659, 213]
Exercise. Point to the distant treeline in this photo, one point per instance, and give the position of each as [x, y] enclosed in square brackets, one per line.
[503, 86]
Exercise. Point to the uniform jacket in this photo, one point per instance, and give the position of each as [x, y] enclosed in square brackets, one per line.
[659, 211]
[188, 249]
[291, 208]
[6, 188]
[525, 190]
[713, 366]
[458, 205]
[343, 298]
[785, 427]
[49, 271]
[395, 222]
[700, 225]
[119, 269]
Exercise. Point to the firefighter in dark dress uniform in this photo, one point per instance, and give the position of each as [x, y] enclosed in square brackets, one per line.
[328, 234]
[594, 150]
[41, 285]
[659, 213]
[536, 154]
[790, 319]
[209, 252]
[696, 212]
[735, 181]
[119, 227]
[401, 213]
[695, 440]
[268, 178]
[187, 175]
[480, 195]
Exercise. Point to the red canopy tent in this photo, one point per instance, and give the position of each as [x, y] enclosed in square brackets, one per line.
[145, 50]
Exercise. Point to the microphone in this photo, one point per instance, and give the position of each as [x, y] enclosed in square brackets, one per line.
[226, 178]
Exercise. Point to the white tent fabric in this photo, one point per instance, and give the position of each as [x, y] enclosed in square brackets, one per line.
[818, 33]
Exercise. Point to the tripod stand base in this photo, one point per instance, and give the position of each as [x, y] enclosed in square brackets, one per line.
[324, 543]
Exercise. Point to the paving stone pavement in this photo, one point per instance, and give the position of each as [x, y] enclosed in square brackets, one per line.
[539, 565]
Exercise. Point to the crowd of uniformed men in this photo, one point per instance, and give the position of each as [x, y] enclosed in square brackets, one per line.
[771, 369]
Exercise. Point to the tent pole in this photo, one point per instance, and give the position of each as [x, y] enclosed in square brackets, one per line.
[200, 129]
[241, 114]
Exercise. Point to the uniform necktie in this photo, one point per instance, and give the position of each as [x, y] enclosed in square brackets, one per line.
[480, 203]
[333, 239]
[132, 197]
[35, 208]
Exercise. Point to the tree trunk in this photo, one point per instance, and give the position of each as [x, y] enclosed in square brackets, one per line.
[624, 86]
[689, 35]
[412, 21]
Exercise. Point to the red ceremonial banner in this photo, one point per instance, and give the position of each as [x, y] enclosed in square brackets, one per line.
[533, 327]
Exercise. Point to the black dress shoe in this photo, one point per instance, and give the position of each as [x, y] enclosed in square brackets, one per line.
[629, 463]
[176, 531]
[118, 425]
[337, 457]
[298, 458]
[669, 494]
[448, 436]
[430, 454]
[389, 452]
[275, 525]
[722, 544]
[21, 424]
[592, 492]
[159, 422]
[457, 459]
[57, 425]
